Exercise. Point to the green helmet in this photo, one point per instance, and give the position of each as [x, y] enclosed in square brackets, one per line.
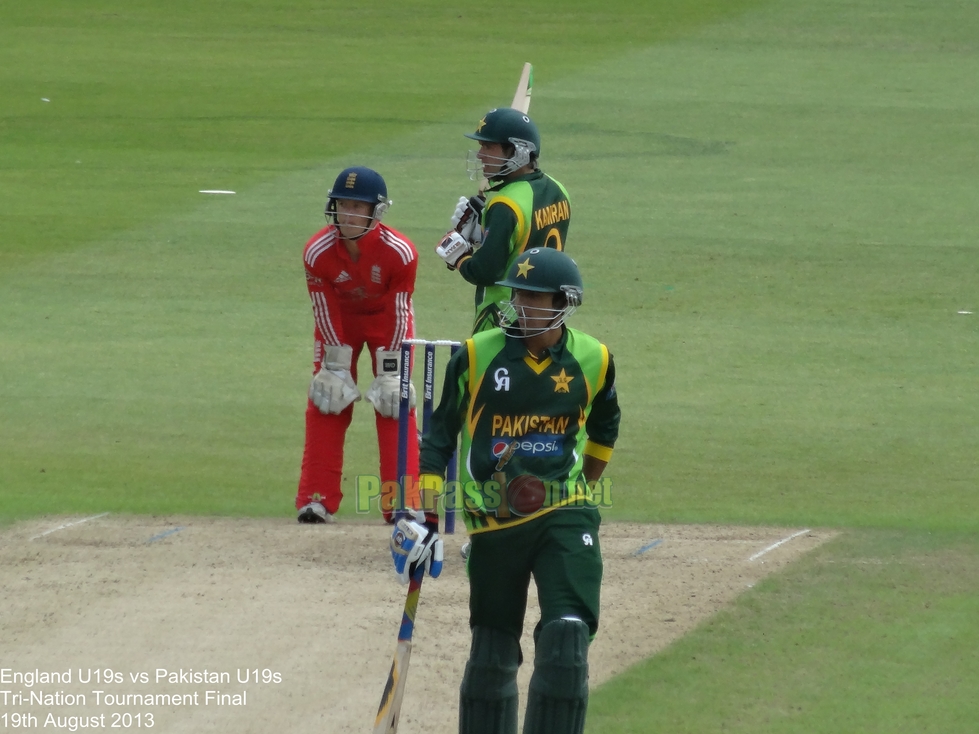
[507, 126]
[546, 270]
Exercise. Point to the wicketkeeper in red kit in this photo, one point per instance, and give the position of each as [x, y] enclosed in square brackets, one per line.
[361, 276]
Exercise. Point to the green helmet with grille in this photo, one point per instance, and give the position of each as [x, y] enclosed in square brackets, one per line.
[546, 270]
[507, 126]
[541, 270]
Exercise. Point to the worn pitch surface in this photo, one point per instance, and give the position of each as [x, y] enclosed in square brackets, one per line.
[307, 616]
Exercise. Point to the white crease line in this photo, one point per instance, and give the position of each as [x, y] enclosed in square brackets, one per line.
[68, 525]
[773, 546]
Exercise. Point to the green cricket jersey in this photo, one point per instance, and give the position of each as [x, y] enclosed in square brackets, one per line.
[530, 211]
[556, 410]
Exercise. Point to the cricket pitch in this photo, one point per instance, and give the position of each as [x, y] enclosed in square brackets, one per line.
[267, 625]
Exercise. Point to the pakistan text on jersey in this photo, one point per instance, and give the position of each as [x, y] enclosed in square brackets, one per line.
[552, 214]
[518, 425]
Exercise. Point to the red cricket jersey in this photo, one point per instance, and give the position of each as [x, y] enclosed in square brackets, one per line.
[378, 285]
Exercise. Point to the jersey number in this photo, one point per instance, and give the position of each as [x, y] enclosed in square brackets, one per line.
[553, 236]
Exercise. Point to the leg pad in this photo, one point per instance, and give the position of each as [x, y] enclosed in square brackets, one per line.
[558, 696]
[488, 694]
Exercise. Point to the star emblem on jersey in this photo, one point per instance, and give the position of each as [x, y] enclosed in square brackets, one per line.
[562, 382]
[524, 268]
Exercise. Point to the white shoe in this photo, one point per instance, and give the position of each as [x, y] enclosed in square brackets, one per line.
[314, 513]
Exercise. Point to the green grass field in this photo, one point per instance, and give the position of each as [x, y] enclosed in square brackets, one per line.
[773, 215]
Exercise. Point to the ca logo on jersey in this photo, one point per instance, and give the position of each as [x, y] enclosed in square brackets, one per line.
[587, 539]
[502, 378]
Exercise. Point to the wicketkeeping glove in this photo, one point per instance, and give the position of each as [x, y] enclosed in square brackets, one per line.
[385, 392]
[465, 218]
[333, 387]
[414, 542]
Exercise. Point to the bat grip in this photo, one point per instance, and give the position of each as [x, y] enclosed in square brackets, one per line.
[475, 208]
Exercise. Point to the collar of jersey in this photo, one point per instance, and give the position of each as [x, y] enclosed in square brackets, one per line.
[515, 349]
[367, 242]
[533, 175]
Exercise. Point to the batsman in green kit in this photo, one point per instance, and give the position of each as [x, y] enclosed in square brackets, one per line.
[536, 406]
[522, 209]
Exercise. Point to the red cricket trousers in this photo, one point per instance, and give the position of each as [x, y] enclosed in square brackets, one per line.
[322, 466]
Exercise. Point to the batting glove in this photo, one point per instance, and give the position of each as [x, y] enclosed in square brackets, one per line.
[385, 392]
[415, 542]
[465, 218]
[333, 387]
[453, 248]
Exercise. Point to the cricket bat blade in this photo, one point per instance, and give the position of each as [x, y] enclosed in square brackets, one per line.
[386, 721]
[394, 691]
[521, 98]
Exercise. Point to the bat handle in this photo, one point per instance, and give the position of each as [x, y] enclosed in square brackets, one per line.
[474, 210]
[466, 218]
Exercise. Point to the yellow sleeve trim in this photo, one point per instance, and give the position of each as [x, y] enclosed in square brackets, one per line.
[471, 351]
[522, 231]
[604, 370]
[602, 453]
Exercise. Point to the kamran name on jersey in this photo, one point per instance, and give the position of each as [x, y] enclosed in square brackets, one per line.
[519, 425]
[552, 214]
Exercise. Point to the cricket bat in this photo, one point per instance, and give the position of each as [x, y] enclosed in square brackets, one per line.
[386, 721]
[521, 98]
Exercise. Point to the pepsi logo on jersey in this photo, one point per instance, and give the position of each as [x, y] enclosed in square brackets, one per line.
[531, 445]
